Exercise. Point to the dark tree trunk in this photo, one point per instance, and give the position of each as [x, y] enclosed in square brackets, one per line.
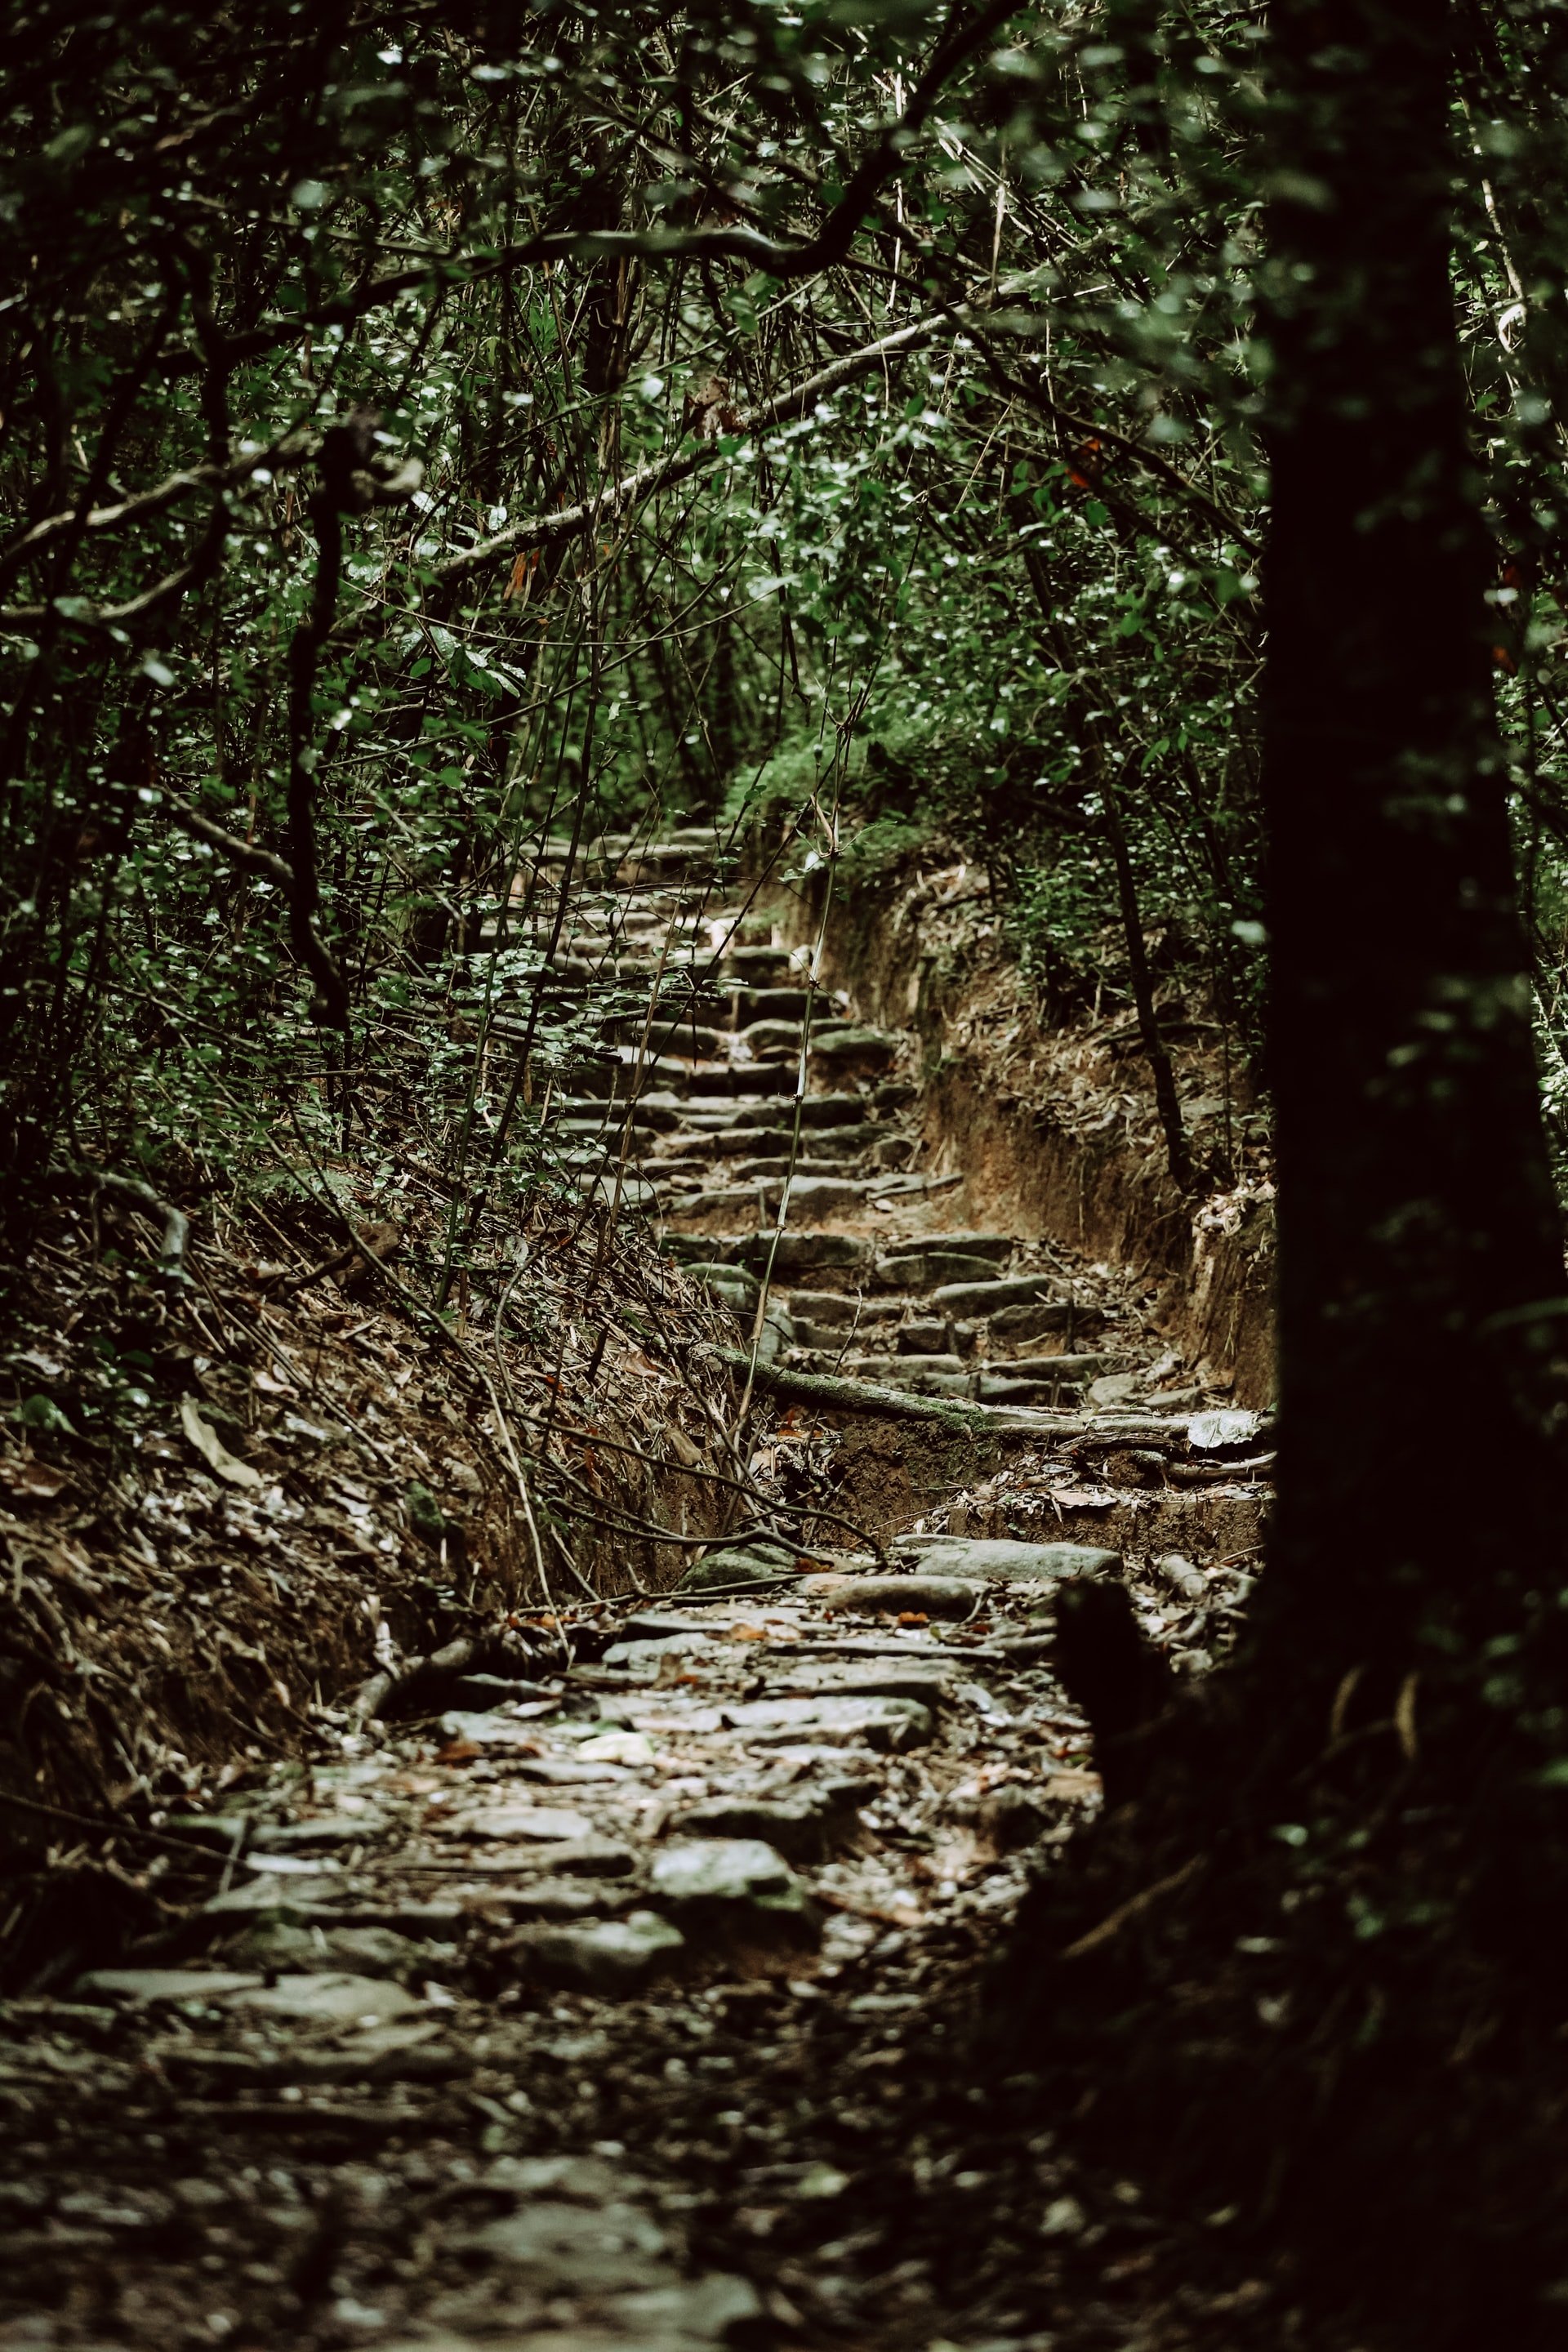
[1421, 1275]
[1345, 1866]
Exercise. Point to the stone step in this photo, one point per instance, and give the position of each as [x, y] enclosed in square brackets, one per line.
[998, 1247]
[982, 1297]
[748, 1006]
[840, 1311]
[752, 961]
[932, 1269]
[855, 1048]
[796, 1253]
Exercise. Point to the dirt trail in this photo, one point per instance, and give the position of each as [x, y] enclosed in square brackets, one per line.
[605, 2008]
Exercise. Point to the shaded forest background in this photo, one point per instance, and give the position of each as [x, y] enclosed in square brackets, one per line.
[427, 430]
[433, 432]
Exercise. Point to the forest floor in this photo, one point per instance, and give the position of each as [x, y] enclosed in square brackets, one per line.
[617, 1983]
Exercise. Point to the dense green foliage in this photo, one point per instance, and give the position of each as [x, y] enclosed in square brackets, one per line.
[432, 431]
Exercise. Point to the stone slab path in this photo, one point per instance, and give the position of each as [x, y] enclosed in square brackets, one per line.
[579, 2013]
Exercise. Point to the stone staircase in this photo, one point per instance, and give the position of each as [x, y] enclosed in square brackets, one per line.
[776, 1139]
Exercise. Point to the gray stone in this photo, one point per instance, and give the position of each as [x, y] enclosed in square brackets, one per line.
[327, 1830]
[566, 1772]
[589, 1857]
[782, 1004]
[1012, 1324]
[986, 1297]
[660, 1625]
[165, 1984]
[802, 1829]
[996, 1248]
[855, 1048]
[730, 1285]
[277, 1947]
[814, 1192]
[535, 1821]
[754, 1564]
[718, 1870]
[734, 1887]
[799, 1253]
[927, 1596]
[682, 2316]
[562, 2248]
[330, 2000]
[1212, 1433]
[925, 1269]
[605, 1956]
[1004, 1388]
[516, 1729]
[911, 1372]
[299, 1900]
[564, 1899]
[771, 1036]
[888, 1725]
[925, 1339]
[984, 1557]
[648, 1651]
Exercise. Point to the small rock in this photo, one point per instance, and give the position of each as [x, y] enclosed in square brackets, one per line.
[540, 1822]
[932, 1596]
[890, 1725]
[736, 1885]
[802, 1829]
[979, 1556]
[632, 1748]
[562, 1899]
[278, 1948]
[1214, 1433]
[720, 1870]
[166, 1984]
[606, 1956]
[924, 1340]
[330, 2000]
[646, 1653]
[512, 1730]
[756, 1563]
[328, 1829]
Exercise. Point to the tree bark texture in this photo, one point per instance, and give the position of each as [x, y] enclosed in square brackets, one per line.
[1421, 1291]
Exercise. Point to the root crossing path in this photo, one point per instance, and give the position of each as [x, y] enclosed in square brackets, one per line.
[617, 2008]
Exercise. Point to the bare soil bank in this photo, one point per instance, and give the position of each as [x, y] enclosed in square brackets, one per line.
[1054, 1131]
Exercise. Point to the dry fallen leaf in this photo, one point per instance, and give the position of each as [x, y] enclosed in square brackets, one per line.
[911, 1617]
[746, 1633]
[33, 1482]
[213, 1453]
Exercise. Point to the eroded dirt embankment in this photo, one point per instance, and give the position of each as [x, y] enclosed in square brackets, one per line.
[228, 1497]
[1055, 1129]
